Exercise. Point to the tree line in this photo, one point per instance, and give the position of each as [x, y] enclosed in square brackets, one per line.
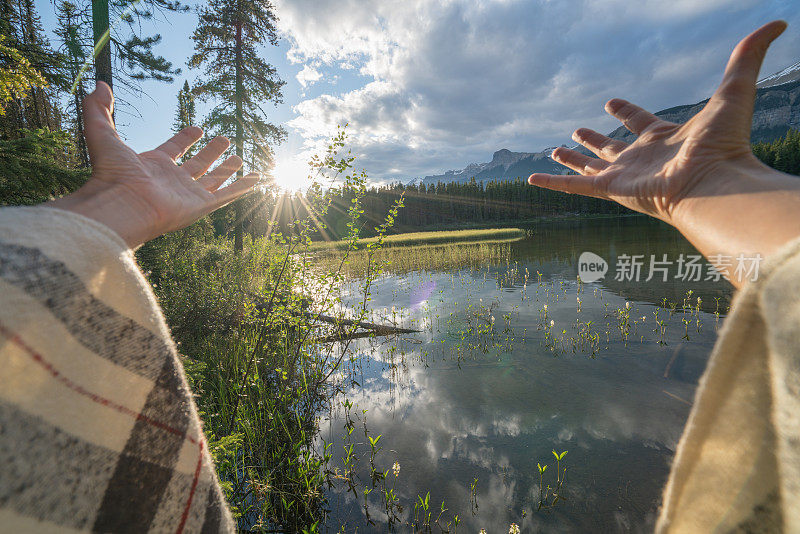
[782, 154]
[437, 206]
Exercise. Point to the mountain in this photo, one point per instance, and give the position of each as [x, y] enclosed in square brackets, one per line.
[777, 109]
[505, 165]
[789, 74]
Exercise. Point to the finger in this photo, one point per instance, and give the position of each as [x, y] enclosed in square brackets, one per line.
[738, 85]
[98, 109]
[569, 183]
[578, 162]
[235, 190]
[217, 177]
[200, 162]
[632, 117]
[180, 142]
[603, 146]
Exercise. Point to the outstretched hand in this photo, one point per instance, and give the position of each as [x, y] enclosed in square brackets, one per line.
[669, 163]
[701, 176]
[141, 196]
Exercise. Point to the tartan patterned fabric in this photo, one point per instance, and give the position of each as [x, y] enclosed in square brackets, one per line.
[98, 431]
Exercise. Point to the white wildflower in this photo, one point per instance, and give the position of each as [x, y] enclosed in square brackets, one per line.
[482, 531]
[627, 305]
[552, 323]
[396, 469]
[513, 529]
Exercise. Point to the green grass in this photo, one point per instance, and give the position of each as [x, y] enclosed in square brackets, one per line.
[431, 238]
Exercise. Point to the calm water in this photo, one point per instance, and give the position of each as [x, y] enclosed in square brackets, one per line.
[487, 389]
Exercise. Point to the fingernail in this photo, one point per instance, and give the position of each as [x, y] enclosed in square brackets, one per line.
[612, 105]
[779, 29]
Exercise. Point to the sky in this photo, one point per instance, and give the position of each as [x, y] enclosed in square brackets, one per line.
[425, 86]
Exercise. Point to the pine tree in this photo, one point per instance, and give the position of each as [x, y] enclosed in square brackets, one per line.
[127, 57]
[36, 106]
[185, 115]
[17, 75]
[238, 81]
[74, 58]
[782, 154]
[31, 168]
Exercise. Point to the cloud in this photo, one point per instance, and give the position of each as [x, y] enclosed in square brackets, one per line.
[308, 76]
[448, 83]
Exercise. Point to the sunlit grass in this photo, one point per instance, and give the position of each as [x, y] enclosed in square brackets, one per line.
[428, 257]
[432, 238]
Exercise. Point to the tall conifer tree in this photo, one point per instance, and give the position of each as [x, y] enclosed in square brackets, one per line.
[238, 81]
[127, 56]
[185, 115]
[73, 57]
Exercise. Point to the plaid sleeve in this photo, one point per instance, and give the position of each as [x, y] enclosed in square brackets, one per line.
[98, 430]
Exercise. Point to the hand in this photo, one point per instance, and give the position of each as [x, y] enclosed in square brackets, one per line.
[141, 196]
[668, 161]
[702, 176]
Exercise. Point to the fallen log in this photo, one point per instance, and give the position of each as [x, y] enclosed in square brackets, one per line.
[362, 324]
[372, 329]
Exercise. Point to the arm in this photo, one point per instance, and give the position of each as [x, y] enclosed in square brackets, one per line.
[141, 196]
[92, 391]
[700, 177]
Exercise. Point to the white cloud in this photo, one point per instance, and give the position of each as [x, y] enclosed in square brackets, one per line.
[308, 76]
[449, 82]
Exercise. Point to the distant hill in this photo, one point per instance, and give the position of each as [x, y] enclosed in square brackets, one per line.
[777, 109]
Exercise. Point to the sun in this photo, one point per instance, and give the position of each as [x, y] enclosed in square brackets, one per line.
[290, 172]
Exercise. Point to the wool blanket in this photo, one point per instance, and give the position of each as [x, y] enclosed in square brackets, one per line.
[737, 466]
[98, 429]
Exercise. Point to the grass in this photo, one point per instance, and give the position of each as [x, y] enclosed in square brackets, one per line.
[431, 238]
[398, 260]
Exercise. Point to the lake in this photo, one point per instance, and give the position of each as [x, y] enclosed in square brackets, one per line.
[516, 359]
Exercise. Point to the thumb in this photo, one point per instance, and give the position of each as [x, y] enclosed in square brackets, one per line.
[738, 87]
[98, 121]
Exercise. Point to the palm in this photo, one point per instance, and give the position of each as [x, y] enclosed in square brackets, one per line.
[668, 162]
[150, 194]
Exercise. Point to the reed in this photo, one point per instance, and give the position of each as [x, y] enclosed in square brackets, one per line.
[429, 238]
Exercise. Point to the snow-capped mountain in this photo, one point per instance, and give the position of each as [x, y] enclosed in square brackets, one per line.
[789, 74]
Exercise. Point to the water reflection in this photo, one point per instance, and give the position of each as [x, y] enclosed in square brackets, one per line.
[492, 409]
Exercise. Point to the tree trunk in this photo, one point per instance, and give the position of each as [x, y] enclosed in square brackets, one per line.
[238, 230]
[83, 153]
[100, 28]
